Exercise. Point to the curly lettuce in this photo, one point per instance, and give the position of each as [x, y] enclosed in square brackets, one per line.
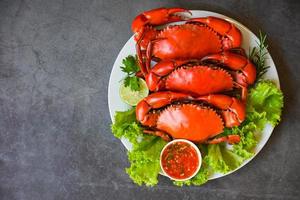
[266, 99]
[144, 159]
[145, 154]
[125, 125]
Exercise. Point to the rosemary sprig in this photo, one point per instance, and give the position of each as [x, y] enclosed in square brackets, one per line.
[258, 56]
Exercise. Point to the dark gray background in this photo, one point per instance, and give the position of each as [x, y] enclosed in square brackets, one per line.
[55, 61]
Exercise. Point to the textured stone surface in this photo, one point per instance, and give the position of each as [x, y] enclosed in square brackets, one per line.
[55, 139]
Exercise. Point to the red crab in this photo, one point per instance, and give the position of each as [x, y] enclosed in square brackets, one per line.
[176, 75]
[189, 120]
[196, 38]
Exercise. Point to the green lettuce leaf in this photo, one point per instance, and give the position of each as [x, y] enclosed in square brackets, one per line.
[144, 159]
[221, 159]
[125, 125]
[266, 98]
[248, 140]
[145, 154]
[215, 160]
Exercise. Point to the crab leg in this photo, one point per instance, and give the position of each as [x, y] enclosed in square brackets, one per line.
[236, 62]
[231, 139]
[158, 133]
[233, 110]
[223, 27]
[140, 56]
[245, 70]
[149, 53]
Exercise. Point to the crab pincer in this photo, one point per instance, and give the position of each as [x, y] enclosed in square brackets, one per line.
[244, 70]
[233, 36]
[232, 109]
[145, 34]
[155, 17]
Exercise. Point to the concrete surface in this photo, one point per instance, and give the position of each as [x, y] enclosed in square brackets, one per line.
[55, 139]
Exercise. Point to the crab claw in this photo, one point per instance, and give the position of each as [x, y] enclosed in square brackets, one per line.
[157, 16]
[236, 62]
[153, 101]
[158, 133]
[223, 27]
[161, 69]
[233, 110]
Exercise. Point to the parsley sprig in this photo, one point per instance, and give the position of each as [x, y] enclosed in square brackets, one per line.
[258, 56]
[130, 67]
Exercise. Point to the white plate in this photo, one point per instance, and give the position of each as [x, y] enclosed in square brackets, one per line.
[249, 41]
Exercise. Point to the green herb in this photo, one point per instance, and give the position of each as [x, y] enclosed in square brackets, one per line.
[130, 67]
[258, 56]
[145, 154]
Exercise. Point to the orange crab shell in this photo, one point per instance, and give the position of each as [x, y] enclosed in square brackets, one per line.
[189, 121]
[186, 41]
[199, 80]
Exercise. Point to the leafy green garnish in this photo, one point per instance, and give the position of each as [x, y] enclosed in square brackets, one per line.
[215, 158]
[258, 56]
[145, 154]
[144, 159]
[125, 126]
[248, 140]
[130, 67]
[266, 99]
[132, 82]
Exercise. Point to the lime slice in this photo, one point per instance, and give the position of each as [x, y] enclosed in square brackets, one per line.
[133, 97]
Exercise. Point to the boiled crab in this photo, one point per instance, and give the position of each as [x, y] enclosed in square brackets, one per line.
[197, 122]
[196, 38]
[176, 75]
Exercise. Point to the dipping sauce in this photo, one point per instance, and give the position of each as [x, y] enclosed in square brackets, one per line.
[180, 160]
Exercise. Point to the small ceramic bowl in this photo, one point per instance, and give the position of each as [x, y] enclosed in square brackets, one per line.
[194, 147]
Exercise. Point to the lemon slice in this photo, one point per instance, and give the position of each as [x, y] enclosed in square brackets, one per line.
[133, 97]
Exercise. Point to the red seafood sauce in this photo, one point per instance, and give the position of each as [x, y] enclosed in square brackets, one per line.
[179, 160]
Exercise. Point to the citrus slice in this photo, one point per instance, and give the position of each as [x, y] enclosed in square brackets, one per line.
[133, 97]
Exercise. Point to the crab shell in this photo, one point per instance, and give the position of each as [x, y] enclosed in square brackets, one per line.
[199, 80]
[190, 121]
[186, 41]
